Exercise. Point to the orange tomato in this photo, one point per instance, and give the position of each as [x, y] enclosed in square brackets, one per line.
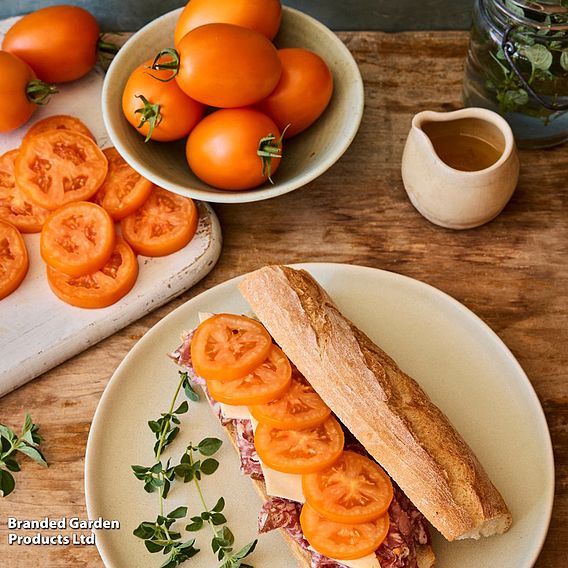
[299, 407]
[266, 382]
[124, 190]
[303, 92]
[354, 489]
[342, 541]
[60, 166]
[300, 451]
[159, 110]
[227, 66]
[59, 122]
[102, 288]
[261, 15]
[78, 238]
[20, 92]
[59, 42]
[14, 206]
[164, 223]
[234, 149]
[13, 258]
[227, 347]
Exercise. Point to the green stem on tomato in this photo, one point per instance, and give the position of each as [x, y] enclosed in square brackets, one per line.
[171, 65]
[38, 92]
[149, 113]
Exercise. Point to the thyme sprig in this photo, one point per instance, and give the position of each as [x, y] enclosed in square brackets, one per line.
[195, 462]
[11, 444]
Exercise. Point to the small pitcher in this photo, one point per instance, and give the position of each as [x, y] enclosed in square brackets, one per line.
[460, 168]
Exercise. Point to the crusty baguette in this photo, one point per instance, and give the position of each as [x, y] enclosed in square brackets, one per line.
[425, 556]
[383, 407]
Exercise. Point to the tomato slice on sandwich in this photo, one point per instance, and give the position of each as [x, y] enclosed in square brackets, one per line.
[227, 346]
[299, 407]
[354, 489]
[269, 381]
[342, 541]
[300, 451]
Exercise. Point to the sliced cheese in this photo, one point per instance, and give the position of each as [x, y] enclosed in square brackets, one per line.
[234, 412]
[286, 485]
[369, 561]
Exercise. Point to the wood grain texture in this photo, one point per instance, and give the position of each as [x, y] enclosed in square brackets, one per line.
[512, 272]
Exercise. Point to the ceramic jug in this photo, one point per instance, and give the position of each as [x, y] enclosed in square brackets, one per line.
[460, 168]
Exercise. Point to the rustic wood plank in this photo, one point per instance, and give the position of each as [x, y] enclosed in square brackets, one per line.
[512, 272]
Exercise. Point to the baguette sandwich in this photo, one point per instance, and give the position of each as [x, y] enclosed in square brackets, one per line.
[384, 415]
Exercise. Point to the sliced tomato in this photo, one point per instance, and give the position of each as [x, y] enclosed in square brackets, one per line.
[299, 407]
[101, 288]
[59, 122]
[342, 541]
[13, 258]
[354, 489]
[124, 189]
[78, 238]
[164, 224]
[227, 347]
[15, 207]
[270, 380]
[300, 451]
[56, 167]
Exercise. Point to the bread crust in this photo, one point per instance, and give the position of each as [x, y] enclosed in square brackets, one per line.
[384, 408]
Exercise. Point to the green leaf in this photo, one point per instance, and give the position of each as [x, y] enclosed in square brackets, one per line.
[189, 391]
[218, 519]
[139, 468]
[517, 10]
[564, 60]
[182, 408]
[187, 544]
[7, 433]
[246, 550]
[514, 99]
[219, 506]
[12, 464]
[153, 546]
[538, 54]
[154, 426]
[227, 535]
[209, 446]
[178, 513]
[33, 454]
[209, 466]
[28, 424]
[149, 487]
[196, 525]
[166, 489]
[7, 483]
[144, 531]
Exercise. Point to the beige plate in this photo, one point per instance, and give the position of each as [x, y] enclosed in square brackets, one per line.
[462, 364]
[307, 156]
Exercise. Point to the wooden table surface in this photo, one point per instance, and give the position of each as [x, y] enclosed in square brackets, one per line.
[512, 272]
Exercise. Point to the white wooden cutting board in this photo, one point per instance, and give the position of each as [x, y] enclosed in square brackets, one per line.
[37, 330]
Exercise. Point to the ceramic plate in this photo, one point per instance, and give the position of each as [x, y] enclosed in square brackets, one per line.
[465, 368]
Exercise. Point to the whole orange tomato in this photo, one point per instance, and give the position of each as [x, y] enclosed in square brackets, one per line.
[234, 149]
[160, 110]
[20, 92]
[261, 15]
[227, 66]
[303, 92]
[59, 42]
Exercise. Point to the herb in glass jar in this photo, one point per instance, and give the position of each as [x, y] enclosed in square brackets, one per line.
[518, 65]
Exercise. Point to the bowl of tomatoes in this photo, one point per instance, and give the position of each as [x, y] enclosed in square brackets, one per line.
[180, 114]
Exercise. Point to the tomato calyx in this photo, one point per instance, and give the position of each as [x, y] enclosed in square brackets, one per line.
[149, 113]
[107, 47]
[39, 93]
[269, 148]
[172, 65]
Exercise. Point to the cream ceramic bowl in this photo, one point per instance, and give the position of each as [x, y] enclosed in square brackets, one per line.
[307, 156]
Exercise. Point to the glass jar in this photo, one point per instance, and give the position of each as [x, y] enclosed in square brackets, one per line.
[517, 65]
